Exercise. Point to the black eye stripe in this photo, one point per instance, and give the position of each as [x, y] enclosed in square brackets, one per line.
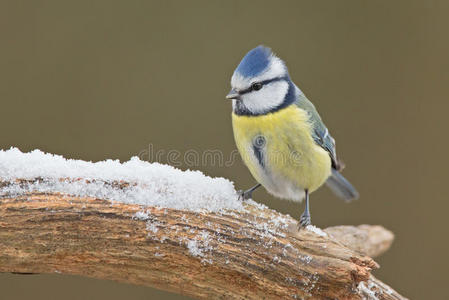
[264, 82]
[256, 86]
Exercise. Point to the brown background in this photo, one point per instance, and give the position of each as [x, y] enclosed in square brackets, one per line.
[104, 79]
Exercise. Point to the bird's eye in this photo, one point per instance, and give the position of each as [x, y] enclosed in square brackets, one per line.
[256, 86]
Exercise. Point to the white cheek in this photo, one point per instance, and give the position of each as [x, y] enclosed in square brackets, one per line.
[267, 98]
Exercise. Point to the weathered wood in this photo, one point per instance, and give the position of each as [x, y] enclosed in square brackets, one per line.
[367, 240]
[235, 255]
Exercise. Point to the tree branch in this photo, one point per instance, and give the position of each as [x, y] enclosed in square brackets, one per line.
[253, 254]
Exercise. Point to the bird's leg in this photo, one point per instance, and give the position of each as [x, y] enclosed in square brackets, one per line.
[245, 195]
[305, 217]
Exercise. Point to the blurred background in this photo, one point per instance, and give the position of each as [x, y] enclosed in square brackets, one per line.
[114, 79]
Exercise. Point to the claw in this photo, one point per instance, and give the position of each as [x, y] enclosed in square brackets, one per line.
[244, 195]
[305, 221]
[248, 194]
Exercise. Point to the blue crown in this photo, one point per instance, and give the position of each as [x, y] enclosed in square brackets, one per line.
[254, 62]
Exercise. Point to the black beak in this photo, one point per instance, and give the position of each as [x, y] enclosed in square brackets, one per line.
[233, 94]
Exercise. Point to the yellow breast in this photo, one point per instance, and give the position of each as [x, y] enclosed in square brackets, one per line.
[288, 158]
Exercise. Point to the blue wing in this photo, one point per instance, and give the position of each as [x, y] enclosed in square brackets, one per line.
[336, 182]
[320, 132]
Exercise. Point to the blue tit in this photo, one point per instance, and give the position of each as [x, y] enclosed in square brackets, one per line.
[280, 135]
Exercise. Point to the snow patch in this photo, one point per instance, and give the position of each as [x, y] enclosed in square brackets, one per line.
[131, 182]
[305, 259]
[152, 227]
[194, 248]
[316, 230]
[141, 215]
[366, 291]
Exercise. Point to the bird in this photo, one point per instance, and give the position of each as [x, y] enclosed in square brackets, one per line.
[280, 135]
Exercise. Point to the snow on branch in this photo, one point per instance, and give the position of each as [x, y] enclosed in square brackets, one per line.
[180, 231]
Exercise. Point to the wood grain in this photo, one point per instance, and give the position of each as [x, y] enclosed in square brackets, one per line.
[232, 255]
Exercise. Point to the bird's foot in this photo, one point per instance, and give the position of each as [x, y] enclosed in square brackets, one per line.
[245, 195]
[305, 221]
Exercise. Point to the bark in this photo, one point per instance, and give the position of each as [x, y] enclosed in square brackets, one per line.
[252, 254]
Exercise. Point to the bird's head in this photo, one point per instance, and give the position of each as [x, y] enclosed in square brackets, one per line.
[260, 83]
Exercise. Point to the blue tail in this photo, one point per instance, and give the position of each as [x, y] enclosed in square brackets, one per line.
[341, 187]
